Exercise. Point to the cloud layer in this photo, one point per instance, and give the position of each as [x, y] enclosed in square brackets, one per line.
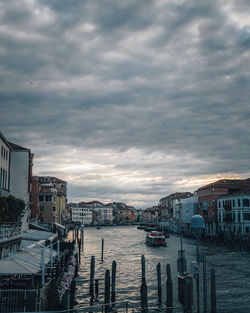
[128, 100]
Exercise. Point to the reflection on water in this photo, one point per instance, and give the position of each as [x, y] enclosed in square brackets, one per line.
[127, 244]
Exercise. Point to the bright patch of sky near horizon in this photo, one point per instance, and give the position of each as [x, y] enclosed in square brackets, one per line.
[128, 101]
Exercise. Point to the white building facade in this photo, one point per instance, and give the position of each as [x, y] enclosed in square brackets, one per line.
[184, 209]
[234, 215]
[4, 166]
[80, 214]
[103, 215]
[19, 169]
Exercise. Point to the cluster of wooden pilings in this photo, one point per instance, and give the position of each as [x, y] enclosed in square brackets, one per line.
[168, 307]
[109, 293]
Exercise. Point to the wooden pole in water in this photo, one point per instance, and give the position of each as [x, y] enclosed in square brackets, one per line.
[188, 296]
[107, 291]
[82, 237]
[159, 283]
[113, 281]
[102, 250]
[79, 249]
[96, 288]
[169, 289]
[92, 274]
[205, 283]
[213, 292]
[144, 293]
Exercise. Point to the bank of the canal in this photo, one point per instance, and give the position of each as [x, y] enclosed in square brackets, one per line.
[127, 244]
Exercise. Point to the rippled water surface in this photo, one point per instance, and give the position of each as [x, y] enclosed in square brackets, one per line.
[125, 245]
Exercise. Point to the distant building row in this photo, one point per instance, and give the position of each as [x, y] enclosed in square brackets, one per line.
[224, 205]
[96, 213]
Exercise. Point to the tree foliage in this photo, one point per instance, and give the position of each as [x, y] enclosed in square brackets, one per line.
[10, 209]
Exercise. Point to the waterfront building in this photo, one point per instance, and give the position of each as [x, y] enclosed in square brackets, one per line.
[21, 172]
[234, 215]
[102, 215]
[4, 166]
[166, 205]
[15, 175]
[162, 209]
[207, 200]
[20, 178]
[128, 215]
[150, 215]
[117, 213]
[81, 214]
[124, 214]
[49, 199]
[189, 207]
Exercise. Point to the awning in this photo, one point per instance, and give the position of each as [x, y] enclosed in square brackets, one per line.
[13, 267]
[27, 261]
[36, 235]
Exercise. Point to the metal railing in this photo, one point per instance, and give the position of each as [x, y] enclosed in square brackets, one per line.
[19, 300]
[124, 306]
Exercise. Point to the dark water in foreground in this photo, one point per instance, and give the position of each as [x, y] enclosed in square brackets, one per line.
[127, 244]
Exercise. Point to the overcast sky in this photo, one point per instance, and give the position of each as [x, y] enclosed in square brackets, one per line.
[128, 100]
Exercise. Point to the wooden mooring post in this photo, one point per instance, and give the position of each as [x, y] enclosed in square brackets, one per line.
[82, 238]
[96, 288]
[205, 283]
[92, 275]
[159, 283]
[113, 282]
[144, 292]
[102, 250]
[169, 291]
[213, 291]
[107, 291]
[79, 249]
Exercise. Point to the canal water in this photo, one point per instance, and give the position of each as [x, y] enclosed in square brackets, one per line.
[126, 244]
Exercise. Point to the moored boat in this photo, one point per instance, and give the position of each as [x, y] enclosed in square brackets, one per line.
[156, 239]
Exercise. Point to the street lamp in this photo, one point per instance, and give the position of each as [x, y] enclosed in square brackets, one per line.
[197, 224]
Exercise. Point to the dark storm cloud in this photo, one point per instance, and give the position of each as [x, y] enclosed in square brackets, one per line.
[144, 93]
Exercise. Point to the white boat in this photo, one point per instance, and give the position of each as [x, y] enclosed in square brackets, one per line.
[156, 239]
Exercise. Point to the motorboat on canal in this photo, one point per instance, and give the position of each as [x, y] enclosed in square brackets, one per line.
[156, 239]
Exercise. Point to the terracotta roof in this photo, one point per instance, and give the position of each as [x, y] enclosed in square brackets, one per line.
[242, 192]
[47, 179]
[228, 182]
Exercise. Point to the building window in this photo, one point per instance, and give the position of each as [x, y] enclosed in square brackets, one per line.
[48, 198]
[54, 209]
[41, 198]
[233, 203]
[247, 216]
[219, 205]
[238, 202]
[238, 216]
[246, 202]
